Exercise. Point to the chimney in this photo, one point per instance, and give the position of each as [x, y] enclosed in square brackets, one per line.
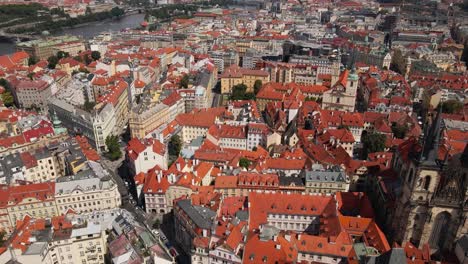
[159, 176]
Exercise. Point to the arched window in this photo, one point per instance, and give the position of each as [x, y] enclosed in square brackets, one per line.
[439, 230]
[427, 182]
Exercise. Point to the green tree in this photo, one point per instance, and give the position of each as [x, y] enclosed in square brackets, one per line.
[244, 162]
[372, 142]
[7, 96]
[95, 55]
[52, 60]
[113, 147]
[32, 60]
[117, 12]
[175, 145]
[238, 91]
[398, 63]
[88, 106]
[184, 81]
[452, 106]
[62, 54]
[399, 131]
[257, 85]
[7, 99]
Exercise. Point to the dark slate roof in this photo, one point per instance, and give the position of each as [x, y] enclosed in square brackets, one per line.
[289, 181]
[325, 176]
[242, 215]
[203, 217]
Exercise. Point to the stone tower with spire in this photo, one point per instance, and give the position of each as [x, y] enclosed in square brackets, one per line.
[431, 207]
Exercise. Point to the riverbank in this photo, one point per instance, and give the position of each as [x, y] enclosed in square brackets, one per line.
[53, 26]
[87, 31]
[92, 23]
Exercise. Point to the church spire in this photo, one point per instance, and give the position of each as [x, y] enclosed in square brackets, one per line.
[432, 143]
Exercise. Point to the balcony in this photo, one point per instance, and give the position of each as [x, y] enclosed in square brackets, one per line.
[92, 257]
[90, 248]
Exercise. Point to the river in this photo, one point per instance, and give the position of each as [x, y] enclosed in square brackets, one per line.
[89, 31]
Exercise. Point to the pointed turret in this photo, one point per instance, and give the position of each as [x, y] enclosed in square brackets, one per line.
[432, 141]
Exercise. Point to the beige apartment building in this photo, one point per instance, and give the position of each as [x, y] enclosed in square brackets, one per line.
[146, 117]
[71, 47]
[44, 48]
[85, 244]
[117, 95]
[235, 75]
[35, 200]
[84, 193]
[40, 166]
[59, 240]
[34, 93]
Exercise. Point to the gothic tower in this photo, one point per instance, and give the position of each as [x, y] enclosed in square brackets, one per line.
[335, 69]
[431, 207]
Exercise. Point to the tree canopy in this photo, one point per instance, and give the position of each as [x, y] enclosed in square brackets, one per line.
[95, 55]
[52, 60]
[117, 12]
[32, 60]
[184, 82]
[239, 92]
[451, 106]
[62, 54]
[244, 162]
[7, 97]
[113, 147]
[175, 146]
[257, 85]
[372, 142]
[399, 131]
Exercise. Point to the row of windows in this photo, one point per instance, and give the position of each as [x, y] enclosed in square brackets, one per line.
[25, 207]
[77, 199]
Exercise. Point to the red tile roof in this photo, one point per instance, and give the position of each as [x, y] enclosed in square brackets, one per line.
[234, 71]
[135, 147]
[41, 191]
[200, 118]
[29, 160]
[154, 183]
[262, 204]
